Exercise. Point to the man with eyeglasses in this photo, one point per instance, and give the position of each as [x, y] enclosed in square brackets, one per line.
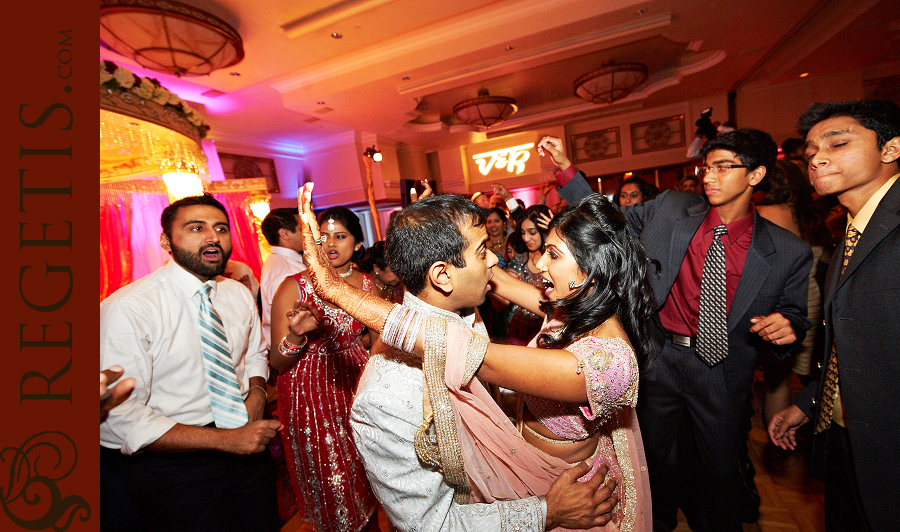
[693, 400]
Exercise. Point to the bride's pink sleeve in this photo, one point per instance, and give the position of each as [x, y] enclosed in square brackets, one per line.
[610, 373]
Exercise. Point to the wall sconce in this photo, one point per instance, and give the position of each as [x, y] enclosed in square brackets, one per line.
[373, 154]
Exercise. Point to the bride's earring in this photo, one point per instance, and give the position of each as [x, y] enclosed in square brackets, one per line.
[573, 286]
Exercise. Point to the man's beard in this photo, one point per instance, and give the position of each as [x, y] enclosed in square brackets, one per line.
[194, 263]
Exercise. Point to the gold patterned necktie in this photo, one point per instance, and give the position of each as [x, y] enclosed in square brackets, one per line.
[826, 409]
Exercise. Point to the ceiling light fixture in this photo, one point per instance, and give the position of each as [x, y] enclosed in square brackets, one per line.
[613, 81]
[182, 180]
[373, 154]
[485, 110]
[168, 36]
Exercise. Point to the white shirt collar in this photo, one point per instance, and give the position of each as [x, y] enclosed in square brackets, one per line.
[417, 304]
[287, 253]
[187, 281]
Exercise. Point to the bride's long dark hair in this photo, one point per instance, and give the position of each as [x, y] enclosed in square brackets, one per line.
[609, 252]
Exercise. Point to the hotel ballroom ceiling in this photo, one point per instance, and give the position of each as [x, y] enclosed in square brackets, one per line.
[399, 66]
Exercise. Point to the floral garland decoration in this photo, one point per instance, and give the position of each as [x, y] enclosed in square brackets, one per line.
[116, 77]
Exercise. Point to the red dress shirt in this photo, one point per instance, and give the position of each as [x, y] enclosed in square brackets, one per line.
[679, 314]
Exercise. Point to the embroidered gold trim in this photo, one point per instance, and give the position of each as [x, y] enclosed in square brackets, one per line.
[620, 446]
[426, 445]
[546, 439]
[434, 361]
[474, 357]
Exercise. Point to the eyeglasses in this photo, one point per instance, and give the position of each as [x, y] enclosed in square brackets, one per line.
[717, 169]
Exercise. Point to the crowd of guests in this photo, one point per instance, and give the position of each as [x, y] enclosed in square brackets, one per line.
[492, 365]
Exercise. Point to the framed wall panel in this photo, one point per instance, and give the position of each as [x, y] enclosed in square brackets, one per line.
[596, 145]
[247, 167]
[659, 134]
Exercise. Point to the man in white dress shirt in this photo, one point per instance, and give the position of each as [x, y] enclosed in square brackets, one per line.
[282, 231]
[438, 248]
[180, 470]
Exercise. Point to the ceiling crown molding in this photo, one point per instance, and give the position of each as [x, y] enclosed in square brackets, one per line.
[440, 41]
[545, 53]
[329, 16]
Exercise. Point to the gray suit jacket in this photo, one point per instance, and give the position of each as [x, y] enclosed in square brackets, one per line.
[862, 316]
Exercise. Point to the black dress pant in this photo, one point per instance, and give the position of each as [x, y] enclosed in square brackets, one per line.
[843, 503]
[693, 429]
[194, 491]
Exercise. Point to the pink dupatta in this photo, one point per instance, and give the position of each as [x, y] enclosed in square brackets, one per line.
[499, 463]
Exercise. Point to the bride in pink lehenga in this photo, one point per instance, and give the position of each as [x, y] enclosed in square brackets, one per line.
[580, 385]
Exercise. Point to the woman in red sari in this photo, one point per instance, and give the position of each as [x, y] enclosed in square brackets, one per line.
[317, 378]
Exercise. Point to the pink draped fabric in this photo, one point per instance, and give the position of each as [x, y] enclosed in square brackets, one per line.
[115, 242]
[244, 235]
[147, 255]
[129, 234]
[499, 464]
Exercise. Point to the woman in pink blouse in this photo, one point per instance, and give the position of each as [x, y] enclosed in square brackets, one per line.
[579, 387]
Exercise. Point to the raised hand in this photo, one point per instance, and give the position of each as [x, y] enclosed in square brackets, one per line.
[501, 190]
[322, 275]
[414, 196]
[368, 309]
[555, 148]
[547, 186]
[543, 220]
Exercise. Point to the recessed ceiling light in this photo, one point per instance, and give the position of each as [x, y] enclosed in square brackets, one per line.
[405, 78]
[803, 75]
[235, 74]
[508, 48]
[320, 103]
[336, 35]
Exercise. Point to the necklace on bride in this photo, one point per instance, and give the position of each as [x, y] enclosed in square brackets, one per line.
[347, 273]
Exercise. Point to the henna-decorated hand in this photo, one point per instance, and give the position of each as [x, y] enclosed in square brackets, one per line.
[368, 309]
[324, 278]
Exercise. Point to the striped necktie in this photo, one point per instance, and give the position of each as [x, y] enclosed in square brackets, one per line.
[224, 393]
[829, 392]
[712, 322]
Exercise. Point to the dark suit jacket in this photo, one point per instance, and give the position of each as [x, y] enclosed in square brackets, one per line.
[862, 316]
[775, 276]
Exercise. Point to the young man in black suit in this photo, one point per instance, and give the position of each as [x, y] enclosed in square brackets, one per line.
[692, 406]
[853, 150]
